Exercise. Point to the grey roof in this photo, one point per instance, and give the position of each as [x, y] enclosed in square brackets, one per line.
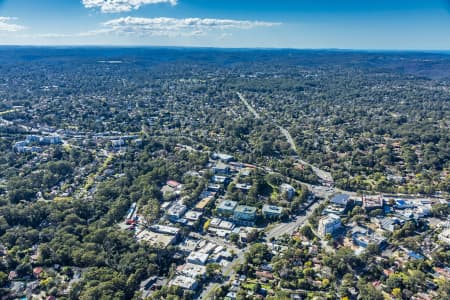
[340, 199]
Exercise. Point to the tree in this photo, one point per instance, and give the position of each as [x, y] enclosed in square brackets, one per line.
[212, 269]
[368, 292]
[307, 232]
[3, 279]
[397, 293]
[234, 238]
[440, 210]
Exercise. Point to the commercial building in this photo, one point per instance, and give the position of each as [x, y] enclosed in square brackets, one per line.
[389, 224]
[165, 229]
[221, 169]
[193, 216]
[197, 258]
[372, 202]
[340, 199]
[329, 224]
[244, 215]
[288, 190]
[444, 236]
[192, 270]
[156, 239]
[338, 204]
[188, 245]
[403, 204]
[226, 207]
[200, 206]
[185, 282]
[363, 237]
[223, 157]
[272, 211]
[221, 224]
[176, 211]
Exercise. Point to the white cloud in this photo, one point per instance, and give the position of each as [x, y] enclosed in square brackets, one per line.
[6, 25]
[178, 27]
[116, 6]
[163, 27]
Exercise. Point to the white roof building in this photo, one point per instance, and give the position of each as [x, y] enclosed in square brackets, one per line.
[193, 215]
[184, 282]
[197, 258]
[444, 236]
[192, 270]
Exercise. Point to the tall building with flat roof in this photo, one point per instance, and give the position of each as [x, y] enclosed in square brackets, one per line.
[272, 211]
[340, 199]
[244, 214]
[197, 258]
[226, 207]
[184, 282]
[372, 202]
[176, 211]
[329, 224]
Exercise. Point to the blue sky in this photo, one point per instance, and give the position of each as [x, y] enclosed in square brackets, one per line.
[346, 24]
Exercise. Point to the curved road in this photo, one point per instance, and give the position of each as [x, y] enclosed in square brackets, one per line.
[324, 175]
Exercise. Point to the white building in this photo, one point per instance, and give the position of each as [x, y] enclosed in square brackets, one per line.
[165, 229]
[192, 270]
[288, 190]
[193, 215]
[197, 258]
[444, 236]
[328, 224]
[176, 211]
[184, 282]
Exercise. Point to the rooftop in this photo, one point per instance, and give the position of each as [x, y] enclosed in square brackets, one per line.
[193, 215]
[184, 282]
[173, 183]
[227, 205]
[165, 229]
[223, 156]
[372, 201]
[245, 209]
[340, 199]
[272, 209]
[198, 257]
[154, 238]
[330, 218]
[191, 270]
[203, 203]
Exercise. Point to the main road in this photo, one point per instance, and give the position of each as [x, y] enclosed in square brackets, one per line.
[291, 227]
[322, 174]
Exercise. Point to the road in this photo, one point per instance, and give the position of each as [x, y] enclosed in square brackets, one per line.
[8, 111]
[324, 175]
[249, 107]
[227, 271]
[291, 227]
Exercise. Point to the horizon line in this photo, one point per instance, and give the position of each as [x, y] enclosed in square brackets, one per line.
[443, 51]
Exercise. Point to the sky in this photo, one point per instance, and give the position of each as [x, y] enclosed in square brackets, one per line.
[344, 24]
